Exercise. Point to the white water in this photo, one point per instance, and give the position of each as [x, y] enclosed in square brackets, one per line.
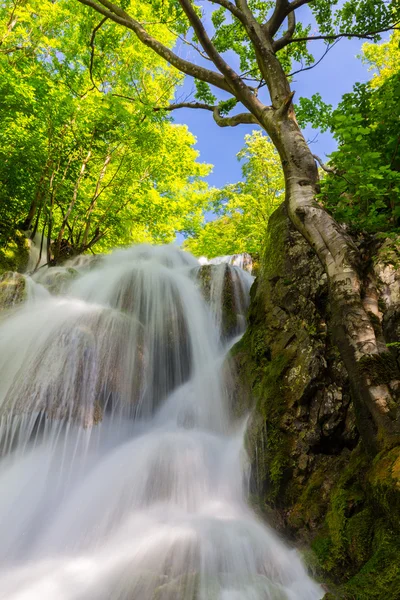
[243, 261]
[123, 476]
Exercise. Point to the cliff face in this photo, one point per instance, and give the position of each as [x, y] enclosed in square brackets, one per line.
[310, 473]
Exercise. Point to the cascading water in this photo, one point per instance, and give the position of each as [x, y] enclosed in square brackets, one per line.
[122, 474]
[244, 261]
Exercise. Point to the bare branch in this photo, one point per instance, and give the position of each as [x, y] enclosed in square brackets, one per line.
[244, 7]
[367, 35]
[91, 44]
[297, 3]
[116, 14]
[239, 119]
[196, 105]
[328, 48]
[283, 8]
[277, 18]
[185, 41]
[284, 40]
[324, 166]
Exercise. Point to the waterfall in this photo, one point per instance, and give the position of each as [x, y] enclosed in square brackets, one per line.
[244, 261]
[123, 475]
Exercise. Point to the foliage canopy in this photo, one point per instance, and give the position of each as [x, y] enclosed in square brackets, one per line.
[83, 162]
[243, 209]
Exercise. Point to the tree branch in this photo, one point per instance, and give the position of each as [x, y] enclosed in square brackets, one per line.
[119, 16]
[285, 39]
[234, 10]
[91, 43]
[285, 107]
[368, 35]
[240, 119]
[244, 8]
[205, 41]
[298, 3]
[283, 8]
[277, 18]
[328, 48]
[324, 166]
[185, 41]
[196, 105]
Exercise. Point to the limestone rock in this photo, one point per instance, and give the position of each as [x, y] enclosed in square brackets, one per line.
[56, 279]
[224, 289]
[309, 470]
[12, 289]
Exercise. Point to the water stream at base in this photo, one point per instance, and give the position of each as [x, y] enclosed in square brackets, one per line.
[123, 475]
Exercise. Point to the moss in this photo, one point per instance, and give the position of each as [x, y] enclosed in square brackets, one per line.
[380, 368]
[15, 255]
[379, 578]
[317, 484]
[266, 440]
[359, 541]
[322, 548]
[274, 254]
[340, 530]
[384, 481]
[12, 289]
[310, 507]
[359, 533]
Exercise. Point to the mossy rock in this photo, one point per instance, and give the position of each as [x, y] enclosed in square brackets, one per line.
[14, 255]
[359, 541]
[379, 578]
[57, 279]
[232, 317]
[384, 479]
[12, 290]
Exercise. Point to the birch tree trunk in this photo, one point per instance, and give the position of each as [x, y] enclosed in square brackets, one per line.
[373, 373]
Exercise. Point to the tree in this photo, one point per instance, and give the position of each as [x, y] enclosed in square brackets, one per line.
[362, 184]
[83, 163]
[243, 208]
[265, 37]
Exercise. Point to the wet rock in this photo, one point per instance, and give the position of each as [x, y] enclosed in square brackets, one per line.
[85, 261]
[12, 290]
[86, 368]
[57, 279]
[225, 289]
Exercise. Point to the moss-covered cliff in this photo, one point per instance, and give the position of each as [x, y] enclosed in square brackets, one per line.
[310, 472]
[14, 254]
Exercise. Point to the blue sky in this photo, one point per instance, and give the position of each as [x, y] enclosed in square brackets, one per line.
[333, 77]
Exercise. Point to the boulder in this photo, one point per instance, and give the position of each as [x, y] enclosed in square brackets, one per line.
[14, 256]
[12, 289]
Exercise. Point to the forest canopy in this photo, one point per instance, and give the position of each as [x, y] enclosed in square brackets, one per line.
[85, 161]
[88, 161]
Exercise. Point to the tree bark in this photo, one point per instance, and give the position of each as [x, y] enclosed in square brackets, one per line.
[373, 373]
